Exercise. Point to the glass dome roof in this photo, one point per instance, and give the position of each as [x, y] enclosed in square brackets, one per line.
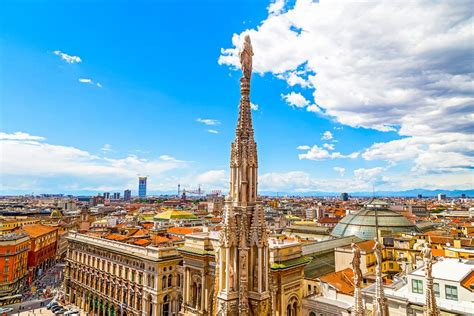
[362, 224]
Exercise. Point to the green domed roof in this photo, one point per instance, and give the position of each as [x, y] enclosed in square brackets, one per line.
[362, 223]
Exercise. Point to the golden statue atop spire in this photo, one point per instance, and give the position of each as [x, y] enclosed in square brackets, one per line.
[246, 58]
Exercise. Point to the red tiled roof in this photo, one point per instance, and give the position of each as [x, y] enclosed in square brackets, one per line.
[142, 242]
[329, 220]
[183, 230]
[342, 280]
[468, 281]
[159, 240]
[116, 237]
[37, 230]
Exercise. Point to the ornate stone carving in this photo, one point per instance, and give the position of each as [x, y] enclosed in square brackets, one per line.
[244, 221]
[358, 307]
[431, 308]
[246, 58]
[380, 307]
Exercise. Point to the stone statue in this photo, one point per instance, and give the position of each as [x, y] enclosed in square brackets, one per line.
[378, 252]
[246, 58]
[358, 308]
[380, 306]
[356, 264]
[431, 308]
[426, 252]
[231, 277]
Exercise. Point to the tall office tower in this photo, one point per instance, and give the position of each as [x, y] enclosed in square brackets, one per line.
[117, 196]
[142, 187]
[106, 195]
[243, 257]
[344, 196]
[127, 195]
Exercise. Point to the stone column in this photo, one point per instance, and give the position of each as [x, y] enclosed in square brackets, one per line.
[259, 258]
[227, 274]
[188, 286]
[203, 292]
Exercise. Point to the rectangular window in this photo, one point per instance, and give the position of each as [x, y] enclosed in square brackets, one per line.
[436, 289]
[451, 292]
[417, 286]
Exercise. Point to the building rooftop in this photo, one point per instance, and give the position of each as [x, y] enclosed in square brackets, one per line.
[12, 236]
[36, 230]
[175, 214]
[342, 281]
[363, 223]
[449, 269]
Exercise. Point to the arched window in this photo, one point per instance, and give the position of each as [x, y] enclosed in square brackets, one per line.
[166, 306]
[170, 280]
[292, 307]
[163, 282]
[312, 314]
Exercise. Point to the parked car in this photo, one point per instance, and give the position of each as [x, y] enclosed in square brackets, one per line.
[5, 310]
[60, 311]
[51, 305]
[56, 308]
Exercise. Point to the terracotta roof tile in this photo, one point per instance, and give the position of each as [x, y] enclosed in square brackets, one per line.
[342, 280]
[468, 282]
[116, 237]
[142, 242]
[37, 230]
[183, 230]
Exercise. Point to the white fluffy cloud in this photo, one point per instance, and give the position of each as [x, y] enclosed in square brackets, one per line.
[28, 160]
[340, 170]
[106, 148]
[276, 6]
[209, 122]
[254, 106]
[70, 59]
[303, 147]
[328, 146]
[212, 131]
[386, 65]
[327, 135]
[20, 136]
[295, 99]
[89, 81]
[318, 153]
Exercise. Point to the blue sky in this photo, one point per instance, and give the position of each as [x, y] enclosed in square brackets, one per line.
[95, 93]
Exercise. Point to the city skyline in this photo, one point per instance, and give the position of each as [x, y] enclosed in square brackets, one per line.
[87, 108]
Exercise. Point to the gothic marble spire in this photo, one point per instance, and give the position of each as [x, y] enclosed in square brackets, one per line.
[358, 306]
[243, 254]
[380, 306]
[431, 308]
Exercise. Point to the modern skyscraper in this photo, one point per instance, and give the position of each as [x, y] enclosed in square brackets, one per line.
[242, 261]
[106, 195]
[344, 196]
[127, 195]
[117, 196]
[142, 187]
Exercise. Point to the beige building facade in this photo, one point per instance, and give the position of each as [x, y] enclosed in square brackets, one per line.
[109, 278]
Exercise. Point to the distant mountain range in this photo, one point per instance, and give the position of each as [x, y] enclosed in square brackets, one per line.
[407, 193]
